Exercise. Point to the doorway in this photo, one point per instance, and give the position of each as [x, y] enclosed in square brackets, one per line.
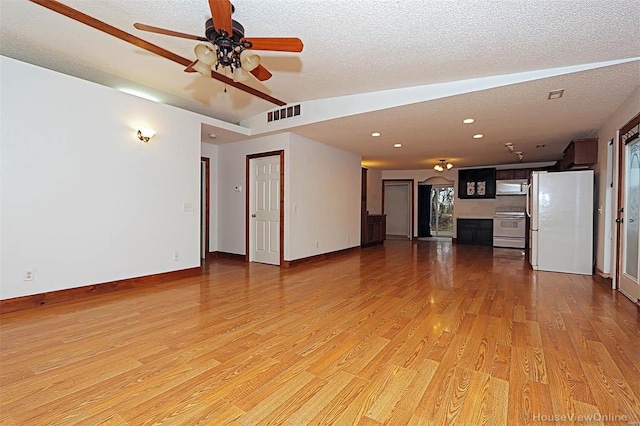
[265, 201]
[441, 206]
[435, 208]
[628, 220]
[397, 204]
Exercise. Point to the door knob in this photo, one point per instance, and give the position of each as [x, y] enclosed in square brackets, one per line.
[619, 220]
[253, 215]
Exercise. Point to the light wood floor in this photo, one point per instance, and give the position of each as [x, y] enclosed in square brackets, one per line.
[405, 334]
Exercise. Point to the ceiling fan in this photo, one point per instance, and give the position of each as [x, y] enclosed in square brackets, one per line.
[228, 47]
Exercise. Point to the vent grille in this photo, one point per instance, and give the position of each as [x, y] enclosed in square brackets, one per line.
[283, 113]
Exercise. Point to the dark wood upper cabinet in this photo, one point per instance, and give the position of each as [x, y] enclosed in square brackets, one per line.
[477, 183]
[505, 174]
[508, 174]
[520, 173]
[580, 153]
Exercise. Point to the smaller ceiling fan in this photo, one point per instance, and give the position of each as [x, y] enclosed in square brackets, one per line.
[227, 47]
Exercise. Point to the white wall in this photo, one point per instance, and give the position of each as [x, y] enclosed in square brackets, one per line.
[605, 227]
[210, 151]
[322, 182]
[325, 184]
[83, 200]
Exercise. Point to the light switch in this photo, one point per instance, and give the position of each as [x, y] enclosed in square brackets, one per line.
[187, 207]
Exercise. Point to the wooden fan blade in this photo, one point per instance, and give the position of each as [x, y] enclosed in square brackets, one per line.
[151, 29]
[261, 73]
[278, 44]
[189, 67]
[221, 15]
[109, 29]
[136, 41]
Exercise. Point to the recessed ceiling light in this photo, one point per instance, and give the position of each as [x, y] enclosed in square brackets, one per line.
[541, 145]
[478, 136]
[375, 134]
[555, 94]
[397, 145]
[468, 120]
[213, 135]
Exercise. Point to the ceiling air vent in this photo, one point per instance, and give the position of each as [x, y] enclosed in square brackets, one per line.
[283, 113]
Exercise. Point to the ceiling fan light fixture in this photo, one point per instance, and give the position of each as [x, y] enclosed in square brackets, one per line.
[205, 54]
[249, 60]
[239, 74]
[202, 68]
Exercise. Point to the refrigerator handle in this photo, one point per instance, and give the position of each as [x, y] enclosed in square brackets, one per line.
[528, 194]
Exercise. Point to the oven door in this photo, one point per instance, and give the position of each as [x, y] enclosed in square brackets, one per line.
[509, 226]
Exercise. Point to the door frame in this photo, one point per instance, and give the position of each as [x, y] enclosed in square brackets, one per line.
[207, 205]
[620, 215]
[249, 189]
[411, 201]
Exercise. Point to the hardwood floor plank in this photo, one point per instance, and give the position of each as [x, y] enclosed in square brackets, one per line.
[393, 388]
[313, 406]
[406, 333]
[280, 392]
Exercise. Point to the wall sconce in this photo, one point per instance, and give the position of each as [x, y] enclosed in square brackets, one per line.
[145, 134]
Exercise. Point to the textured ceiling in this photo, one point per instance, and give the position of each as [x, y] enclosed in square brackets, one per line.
[356, 47]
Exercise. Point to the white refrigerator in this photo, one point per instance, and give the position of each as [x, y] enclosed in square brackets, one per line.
[560, 208]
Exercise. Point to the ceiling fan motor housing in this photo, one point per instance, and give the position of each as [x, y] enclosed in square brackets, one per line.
[211, 33]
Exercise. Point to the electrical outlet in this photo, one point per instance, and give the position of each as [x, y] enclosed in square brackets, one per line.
[28, 275]
[176, 256]
[187, 207]
[317, 244]
[348, 240]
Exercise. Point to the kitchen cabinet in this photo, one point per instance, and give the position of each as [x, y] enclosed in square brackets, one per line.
[505, 174]
[375, 230]
[477, 183]
[475, 231]
[515, 174]
[580, 153]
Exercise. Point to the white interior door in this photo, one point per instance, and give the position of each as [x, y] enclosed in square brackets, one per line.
[397, 207]
[265, 216]
[630, 237]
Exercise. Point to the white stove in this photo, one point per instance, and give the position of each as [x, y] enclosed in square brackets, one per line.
[509, 227]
